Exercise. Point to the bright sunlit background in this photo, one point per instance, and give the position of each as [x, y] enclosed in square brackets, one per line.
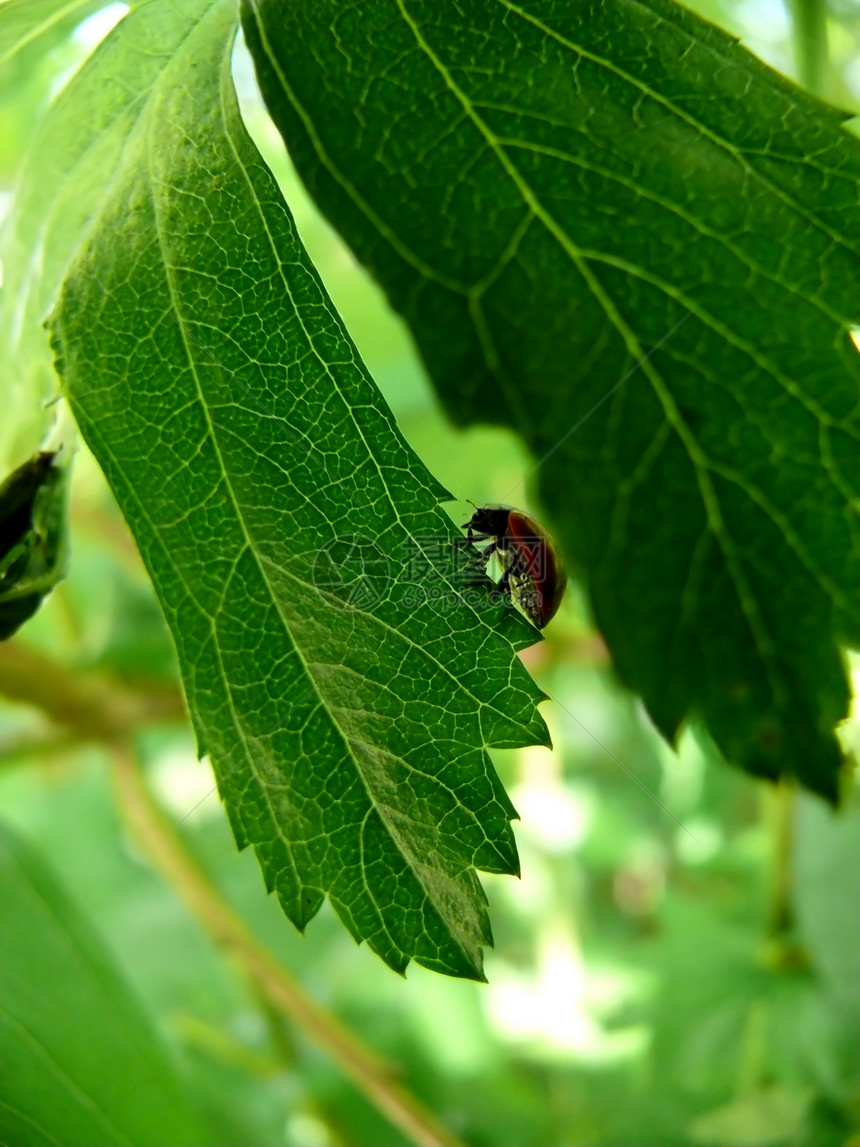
[680, 962]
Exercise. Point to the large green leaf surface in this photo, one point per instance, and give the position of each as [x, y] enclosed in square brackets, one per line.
[613, 229]
[82, 1065]
[295, 542]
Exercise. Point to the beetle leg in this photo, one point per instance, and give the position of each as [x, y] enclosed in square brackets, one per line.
[471, 537]
[505, 582]
[485, 554]
[475, 536]
[516, 566]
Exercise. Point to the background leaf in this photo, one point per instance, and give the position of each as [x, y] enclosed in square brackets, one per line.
[25, 23]
[68, 170]
[81, 1063]
[827, 879]
[598, 241]
[294, 541]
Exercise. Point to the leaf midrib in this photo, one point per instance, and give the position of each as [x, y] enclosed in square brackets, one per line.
[676, 209]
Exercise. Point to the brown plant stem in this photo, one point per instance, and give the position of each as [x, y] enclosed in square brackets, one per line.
[42, 743]
[93, 705]
[374, 1078]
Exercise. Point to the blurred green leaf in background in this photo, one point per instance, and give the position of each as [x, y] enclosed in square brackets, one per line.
[81, 1061]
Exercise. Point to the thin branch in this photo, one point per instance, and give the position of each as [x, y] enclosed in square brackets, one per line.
[93, 705]
[46, 742]
[374, 1078]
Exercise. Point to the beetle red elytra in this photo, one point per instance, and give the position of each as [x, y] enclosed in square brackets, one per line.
[533, 576]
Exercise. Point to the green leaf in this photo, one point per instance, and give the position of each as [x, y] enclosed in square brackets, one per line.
[613, 229]
[25, 23]
[766, 1116]
[82, 1065]
[343, 686]
[32, 538]
[66, 175]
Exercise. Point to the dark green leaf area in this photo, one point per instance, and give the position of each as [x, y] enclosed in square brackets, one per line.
[18, 495]
[342, 685]
[613, 229]
[32, 538]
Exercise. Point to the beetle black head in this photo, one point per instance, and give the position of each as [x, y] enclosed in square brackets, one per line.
[490, 520]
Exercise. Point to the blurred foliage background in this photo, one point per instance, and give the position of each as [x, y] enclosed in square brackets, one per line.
[680, 963]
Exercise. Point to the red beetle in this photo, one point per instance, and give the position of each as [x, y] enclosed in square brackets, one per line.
[533, 575]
